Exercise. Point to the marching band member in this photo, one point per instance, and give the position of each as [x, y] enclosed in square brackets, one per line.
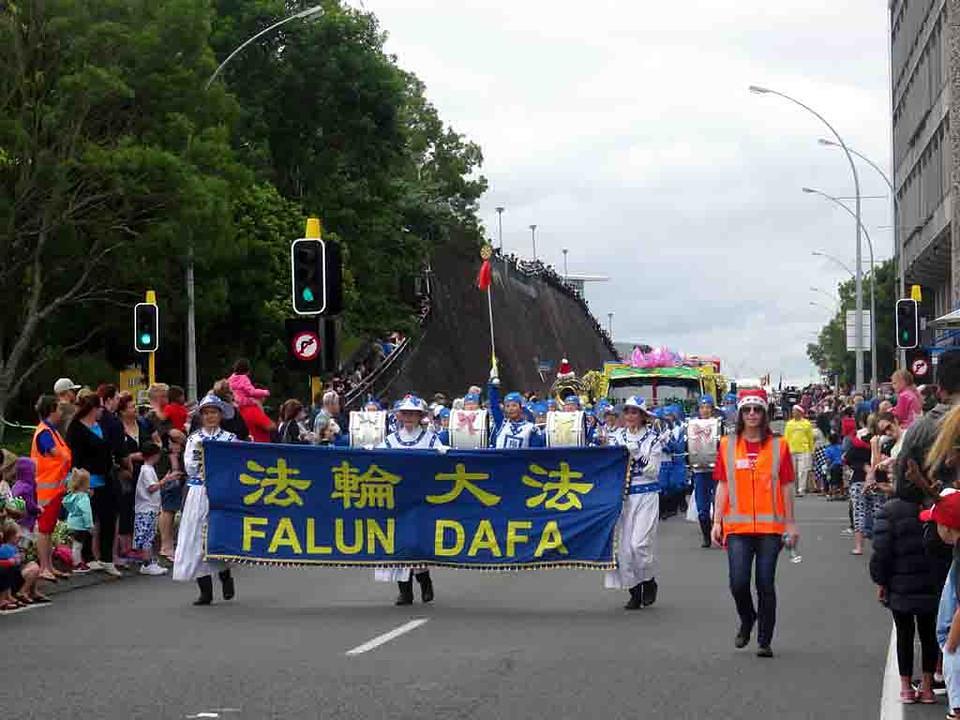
[640, 519]
[188, 561]
[471, 401]
[510, 428]
[593, 427]
[708, 428]
[410, 435]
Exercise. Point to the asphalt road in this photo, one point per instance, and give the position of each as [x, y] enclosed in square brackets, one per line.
[524, 645]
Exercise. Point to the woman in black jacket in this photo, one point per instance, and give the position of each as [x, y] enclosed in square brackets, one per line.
[94, 453]
[907, 584]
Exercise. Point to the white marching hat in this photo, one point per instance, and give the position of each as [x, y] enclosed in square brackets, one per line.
[210, 401]
[635, 401]
[412, 403]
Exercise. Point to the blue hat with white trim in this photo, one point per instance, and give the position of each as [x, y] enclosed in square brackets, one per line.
[471, 397]
[572, 400]
[514, 397]
[706, 399]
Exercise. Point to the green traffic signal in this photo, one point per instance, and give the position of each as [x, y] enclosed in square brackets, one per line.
[145, 339]
[307, 295]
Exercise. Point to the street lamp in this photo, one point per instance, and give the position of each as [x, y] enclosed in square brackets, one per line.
[901, 270]
[839, 262]
[191, 294]
[832, 297]
[565, 251]
[858, 277]
[500, 225]
[856, 184]
[533, 238]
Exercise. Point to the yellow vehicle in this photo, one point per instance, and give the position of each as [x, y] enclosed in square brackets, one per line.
[683, 384]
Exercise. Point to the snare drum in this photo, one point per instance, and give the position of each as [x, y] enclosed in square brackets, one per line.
[566, 429]
[367, 428]
[703, 439]
[468, 429]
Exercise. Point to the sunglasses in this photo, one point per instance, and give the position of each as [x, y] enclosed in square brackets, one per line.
[753, 409]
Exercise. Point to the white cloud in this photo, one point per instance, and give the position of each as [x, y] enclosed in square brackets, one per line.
[625, 131]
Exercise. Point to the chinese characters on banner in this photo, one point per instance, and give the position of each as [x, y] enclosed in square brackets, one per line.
[295, 504]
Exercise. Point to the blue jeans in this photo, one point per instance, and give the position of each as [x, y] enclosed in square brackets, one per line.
[741, 550]
[704, 488]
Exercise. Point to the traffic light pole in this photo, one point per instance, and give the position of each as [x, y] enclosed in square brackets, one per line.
[151, 297]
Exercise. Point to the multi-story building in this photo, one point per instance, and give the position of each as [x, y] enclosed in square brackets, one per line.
[925, 57]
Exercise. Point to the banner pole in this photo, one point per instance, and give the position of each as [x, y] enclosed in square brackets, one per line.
[493, 346]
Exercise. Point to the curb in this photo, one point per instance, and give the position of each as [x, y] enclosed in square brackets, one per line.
[79, 582]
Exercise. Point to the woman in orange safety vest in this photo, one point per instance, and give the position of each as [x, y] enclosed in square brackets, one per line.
[754, 513]
[53, 460]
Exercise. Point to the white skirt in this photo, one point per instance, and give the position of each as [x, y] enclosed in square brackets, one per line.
[396, 574]
[188, 562]
[637, 554]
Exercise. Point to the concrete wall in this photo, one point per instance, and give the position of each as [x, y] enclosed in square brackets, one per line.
[533, 320]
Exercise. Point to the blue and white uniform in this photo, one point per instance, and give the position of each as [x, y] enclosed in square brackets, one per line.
[640, 518]
[511, 434]
[188, 561]
[421, 438]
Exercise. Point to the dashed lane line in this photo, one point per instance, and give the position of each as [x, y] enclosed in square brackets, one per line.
[387, 637]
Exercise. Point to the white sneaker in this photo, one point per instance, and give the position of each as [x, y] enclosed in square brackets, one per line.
[152, 569]
[95, 565]
[110, 569]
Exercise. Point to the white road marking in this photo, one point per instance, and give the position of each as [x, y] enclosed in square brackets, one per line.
[890, 706]
[387, 637]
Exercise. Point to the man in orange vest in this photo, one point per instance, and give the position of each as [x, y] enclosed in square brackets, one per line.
[754, 513]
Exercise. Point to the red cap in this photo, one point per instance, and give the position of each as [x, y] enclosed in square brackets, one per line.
[752, 396]
[945, 512]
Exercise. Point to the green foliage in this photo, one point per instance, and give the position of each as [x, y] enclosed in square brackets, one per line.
[116, 160]
[830, 352]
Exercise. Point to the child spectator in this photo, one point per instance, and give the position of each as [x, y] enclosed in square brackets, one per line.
[176, 408]
[147, 511]
[834, 458]
[244, 393]
[80, 519]
[25, 487]
[18, 581]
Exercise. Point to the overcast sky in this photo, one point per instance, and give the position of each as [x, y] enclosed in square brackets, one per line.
[625, 131]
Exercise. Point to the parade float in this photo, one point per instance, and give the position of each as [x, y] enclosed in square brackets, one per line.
[662, 377]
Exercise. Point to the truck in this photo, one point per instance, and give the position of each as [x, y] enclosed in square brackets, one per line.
[681, 384]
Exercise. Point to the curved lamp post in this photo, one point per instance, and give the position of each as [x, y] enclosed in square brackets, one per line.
[873, 284]
[757, 90]
[191, 296]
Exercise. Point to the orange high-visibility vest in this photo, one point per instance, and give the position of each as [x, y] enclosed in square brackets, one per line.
[51, 469]
[755, 503]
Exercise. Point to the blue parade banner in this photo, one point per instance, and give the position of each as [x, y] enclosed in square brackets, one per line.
[482, 509]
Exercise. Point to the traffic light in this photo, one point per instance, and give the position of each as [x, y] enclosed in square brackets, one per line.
[146, 327]
[908, 326]
[316, 277]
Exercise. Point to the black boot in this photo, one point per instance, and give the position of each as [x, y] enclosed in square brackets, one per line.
[205, 584]
[426, 586]
[648, 593]
[705, 528]
[406, 593]
[634, 603]
[227, 584]
[743, 635]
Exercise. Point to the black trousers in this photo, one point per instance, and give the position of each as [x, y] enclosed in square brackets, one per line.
[104, 506]
[926, 626]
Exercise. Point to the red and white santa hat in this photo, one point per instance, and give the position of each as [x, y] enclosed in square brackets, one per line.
[752, 396]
